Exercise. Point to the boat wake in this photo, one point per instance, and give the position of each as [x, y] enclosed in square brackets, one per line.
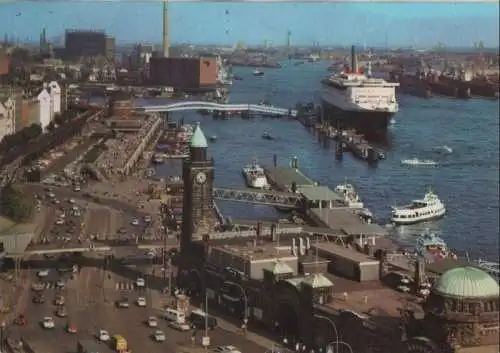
[443, 149]
[415, 162]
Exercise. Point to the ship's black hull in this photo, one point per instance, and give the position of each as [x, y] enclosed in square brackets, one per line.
[373, 125]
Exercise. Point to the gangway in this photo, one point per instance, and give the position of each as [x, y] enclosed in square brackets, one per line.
[201, 105]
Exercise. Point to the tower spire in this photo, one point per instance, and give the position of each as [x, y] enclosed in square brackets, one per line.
[166, 44]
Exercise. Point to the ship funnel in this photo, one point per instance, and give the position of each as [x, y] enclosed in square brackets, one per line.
[354, 60]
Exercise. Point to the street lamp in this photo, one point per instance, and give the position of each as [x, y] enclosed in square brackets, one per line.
[330, 321]
[2, 328]
[245, 298]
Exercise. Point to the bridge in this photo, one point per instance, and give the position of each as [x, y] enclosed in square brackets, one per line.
[200, 105]
[262, 197]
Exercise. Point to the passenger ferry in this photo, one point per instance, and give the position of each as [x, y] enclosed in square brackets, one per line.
[254, 176]
[428, 208]
[419, 162]
[351, 197]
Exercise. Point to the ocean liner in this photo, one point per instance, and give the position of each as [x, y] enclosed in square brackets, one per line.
[352, 99]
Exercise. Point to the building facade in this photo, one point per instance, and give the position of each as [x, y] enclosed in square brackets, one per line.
[110, 49]
[29, 112]
[183, 73]
[55, 96]
[7, 118]
[45, 108]
[85, 43]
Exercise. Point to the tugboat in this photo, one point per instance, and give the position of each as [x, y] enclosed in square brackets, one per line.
[213, 138]
[254, 176]
[432, 248]
[257, 72]
[426, 209]
[351, 197]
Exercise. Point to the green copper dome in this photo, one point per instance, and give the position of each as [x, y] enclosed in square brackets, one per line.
[198, 139]
[468, 281]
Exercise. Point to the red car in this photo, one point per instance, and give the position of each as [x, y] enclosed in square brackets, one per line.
[71, 329]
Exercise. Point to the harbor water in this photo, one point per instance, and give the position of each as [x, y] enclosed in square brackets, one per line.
[466, 180]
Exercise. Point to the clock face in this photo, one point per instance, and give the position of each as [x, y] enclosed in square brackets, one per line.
[201, 178]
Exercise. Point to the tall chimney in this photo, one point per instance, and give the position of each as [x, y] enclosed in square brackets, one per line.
[165, 29]
[354, 59]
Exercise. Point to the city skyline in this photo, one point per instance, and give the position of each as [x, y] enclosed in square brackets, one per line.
[373, 24]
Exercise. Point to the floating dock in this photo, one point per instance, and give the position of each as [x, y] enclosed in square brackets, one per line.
[284, 178]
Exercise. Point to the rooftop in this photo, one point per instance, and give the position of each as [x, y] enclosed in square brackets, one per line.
[346, 221]
[258, 252]
[467, 282]
[198, 139]
[342, 252]
[319, 193]
[285, 177]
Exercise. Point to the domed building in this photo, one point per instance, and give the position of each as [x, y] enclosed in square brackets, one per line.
[462, 311]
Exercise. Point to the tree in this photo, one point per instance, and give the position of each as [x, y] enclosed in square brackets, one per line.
[16, 204]
[58, 119]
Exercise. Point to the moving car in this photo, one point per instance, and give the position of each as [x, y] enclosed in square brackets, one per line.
[61, 312]
[159, 336]
[141, 302]
[179, 327]
[226, 349]
[122, 303]
[43, 273]
[104, 335]
[48, 323]
[152, 321]
[39, 299]
[140, 282]
[71, 328]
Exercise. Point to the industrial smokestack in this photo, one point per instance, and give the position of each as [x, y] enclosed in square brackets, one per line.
[354, 60]
[165, 29]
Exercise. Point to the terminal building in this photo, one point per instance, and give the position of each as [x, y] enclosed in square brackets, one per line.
[315, 289]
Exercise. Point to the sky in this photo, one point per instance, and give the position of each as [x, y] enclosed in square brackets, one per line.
[401, 24]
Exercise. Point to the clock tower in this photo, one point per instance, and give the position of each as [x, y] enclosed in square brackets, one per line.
[198, 176]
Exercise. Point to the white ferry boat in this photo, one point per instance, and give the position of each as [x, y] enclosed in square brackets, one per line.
[254, 176]
[257, 72]
[419, 162]
[430, 207]
[351, 197]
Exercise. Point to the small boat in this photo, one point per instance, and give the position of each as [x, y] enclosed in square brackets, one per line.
[419, 162]
[213, 138]
[432, 248]
[254, 176]
[267, 136]
[426, 209]
[351, 197]
[257, 72]
[237, 78]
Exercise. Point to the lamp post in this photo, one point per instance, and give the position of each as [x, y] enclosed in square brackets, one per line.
[205, 341]
[330, 321]
[245, 298]
[2, 328]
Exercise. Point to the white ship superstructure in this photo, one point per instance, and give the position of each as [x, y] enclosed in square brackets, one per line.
[428, 208]
[254, 176]
[353, 99]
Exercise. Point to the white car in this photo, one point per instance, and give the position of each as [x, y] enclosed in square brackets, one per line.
[152, 321]
[140, 282]
[48, 322]
[104, 336]
[51, 195]
[135, 222]
[43, 273]
[60, 221]
[71, 201]
[147, 219]
[179, 327]
[226, 349]
[60, 284]
[141, 301]
[159, 336]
